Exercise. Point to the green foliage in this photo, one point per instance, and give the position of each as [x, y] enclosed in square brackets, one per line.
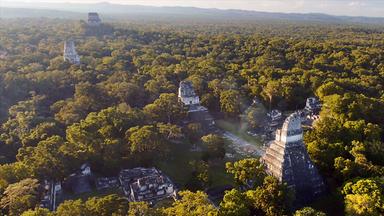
[72, 207]
[23, 117]
[247, 171]
[191, 204]
[108, 205]
[150, 142]
[271, 90]
[12, 173]
[165, 109]
[46, 159]
[170, 131]
[354, 106]
[87, 98]
[142, 209]
[234, 204]
[200, 175]
[256, 116]
[215, 146]
[345, 146]
[308, 211]
[364, 197]
[20, 196]
[194, 131]
[271, 198]
[37, 212]
[41, 132]
[123, 90]
[100, 137]
[120, 107]
[146, 140]
[361, 166]
[103, 206]
[230, 102]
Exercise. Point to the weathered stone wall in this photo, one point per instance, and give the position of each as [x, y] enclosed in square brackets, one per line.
[287, 159]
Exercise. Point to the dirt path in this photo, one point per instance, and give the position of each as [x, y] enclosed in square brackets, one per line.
[243, 147]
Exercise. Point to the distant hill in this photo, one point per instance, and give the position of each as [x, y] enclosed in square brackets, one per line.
[135, 12]
[37, 13]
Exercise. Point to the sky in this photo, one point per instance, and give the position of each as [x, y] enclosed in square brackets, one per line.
[373, 8]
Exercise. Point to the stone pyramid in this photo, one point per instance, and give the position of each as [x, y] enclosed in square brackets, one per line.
[287, 159]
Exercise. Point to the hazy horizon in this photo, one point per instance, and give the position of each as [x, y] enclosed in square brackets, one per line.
[369, 8]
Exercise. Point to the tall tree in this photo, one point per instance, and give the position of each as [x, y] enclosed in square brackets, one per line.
[166, 109]
[215, 145]
[271, 90]
[100, 137]
[46, 160]
[38, 212]
[234, 204]
[72, 207]
[364, 197]
[108, 205]
[308, 211]
[191, 204]
[230, 102]
[270, 199]
[20, 196]
[250, 172]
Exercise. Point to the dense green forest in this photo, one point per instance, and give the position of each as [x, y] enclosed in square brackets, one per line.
[119, 109]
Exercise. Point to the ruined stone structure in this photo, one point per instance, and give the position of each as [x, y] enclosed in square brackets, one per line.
[275, 118]
[196, 112]
[187, 94]
[94, 19]
[70, 53]
[146, 184]
[287, 159]
[313, 105]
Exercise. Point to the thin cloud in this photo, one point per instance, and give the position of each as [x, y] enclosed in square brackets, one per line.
[357, 4]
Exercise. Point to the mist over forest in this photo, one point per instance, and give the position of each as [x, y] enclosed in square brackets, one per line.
[167, 14]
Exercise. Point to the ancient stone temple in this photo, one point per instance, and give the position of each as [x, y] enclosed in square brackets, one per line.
[94, 19]
[187, 94]
[287, 159]
[70, 53]
[313, 105]
[196, 112]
